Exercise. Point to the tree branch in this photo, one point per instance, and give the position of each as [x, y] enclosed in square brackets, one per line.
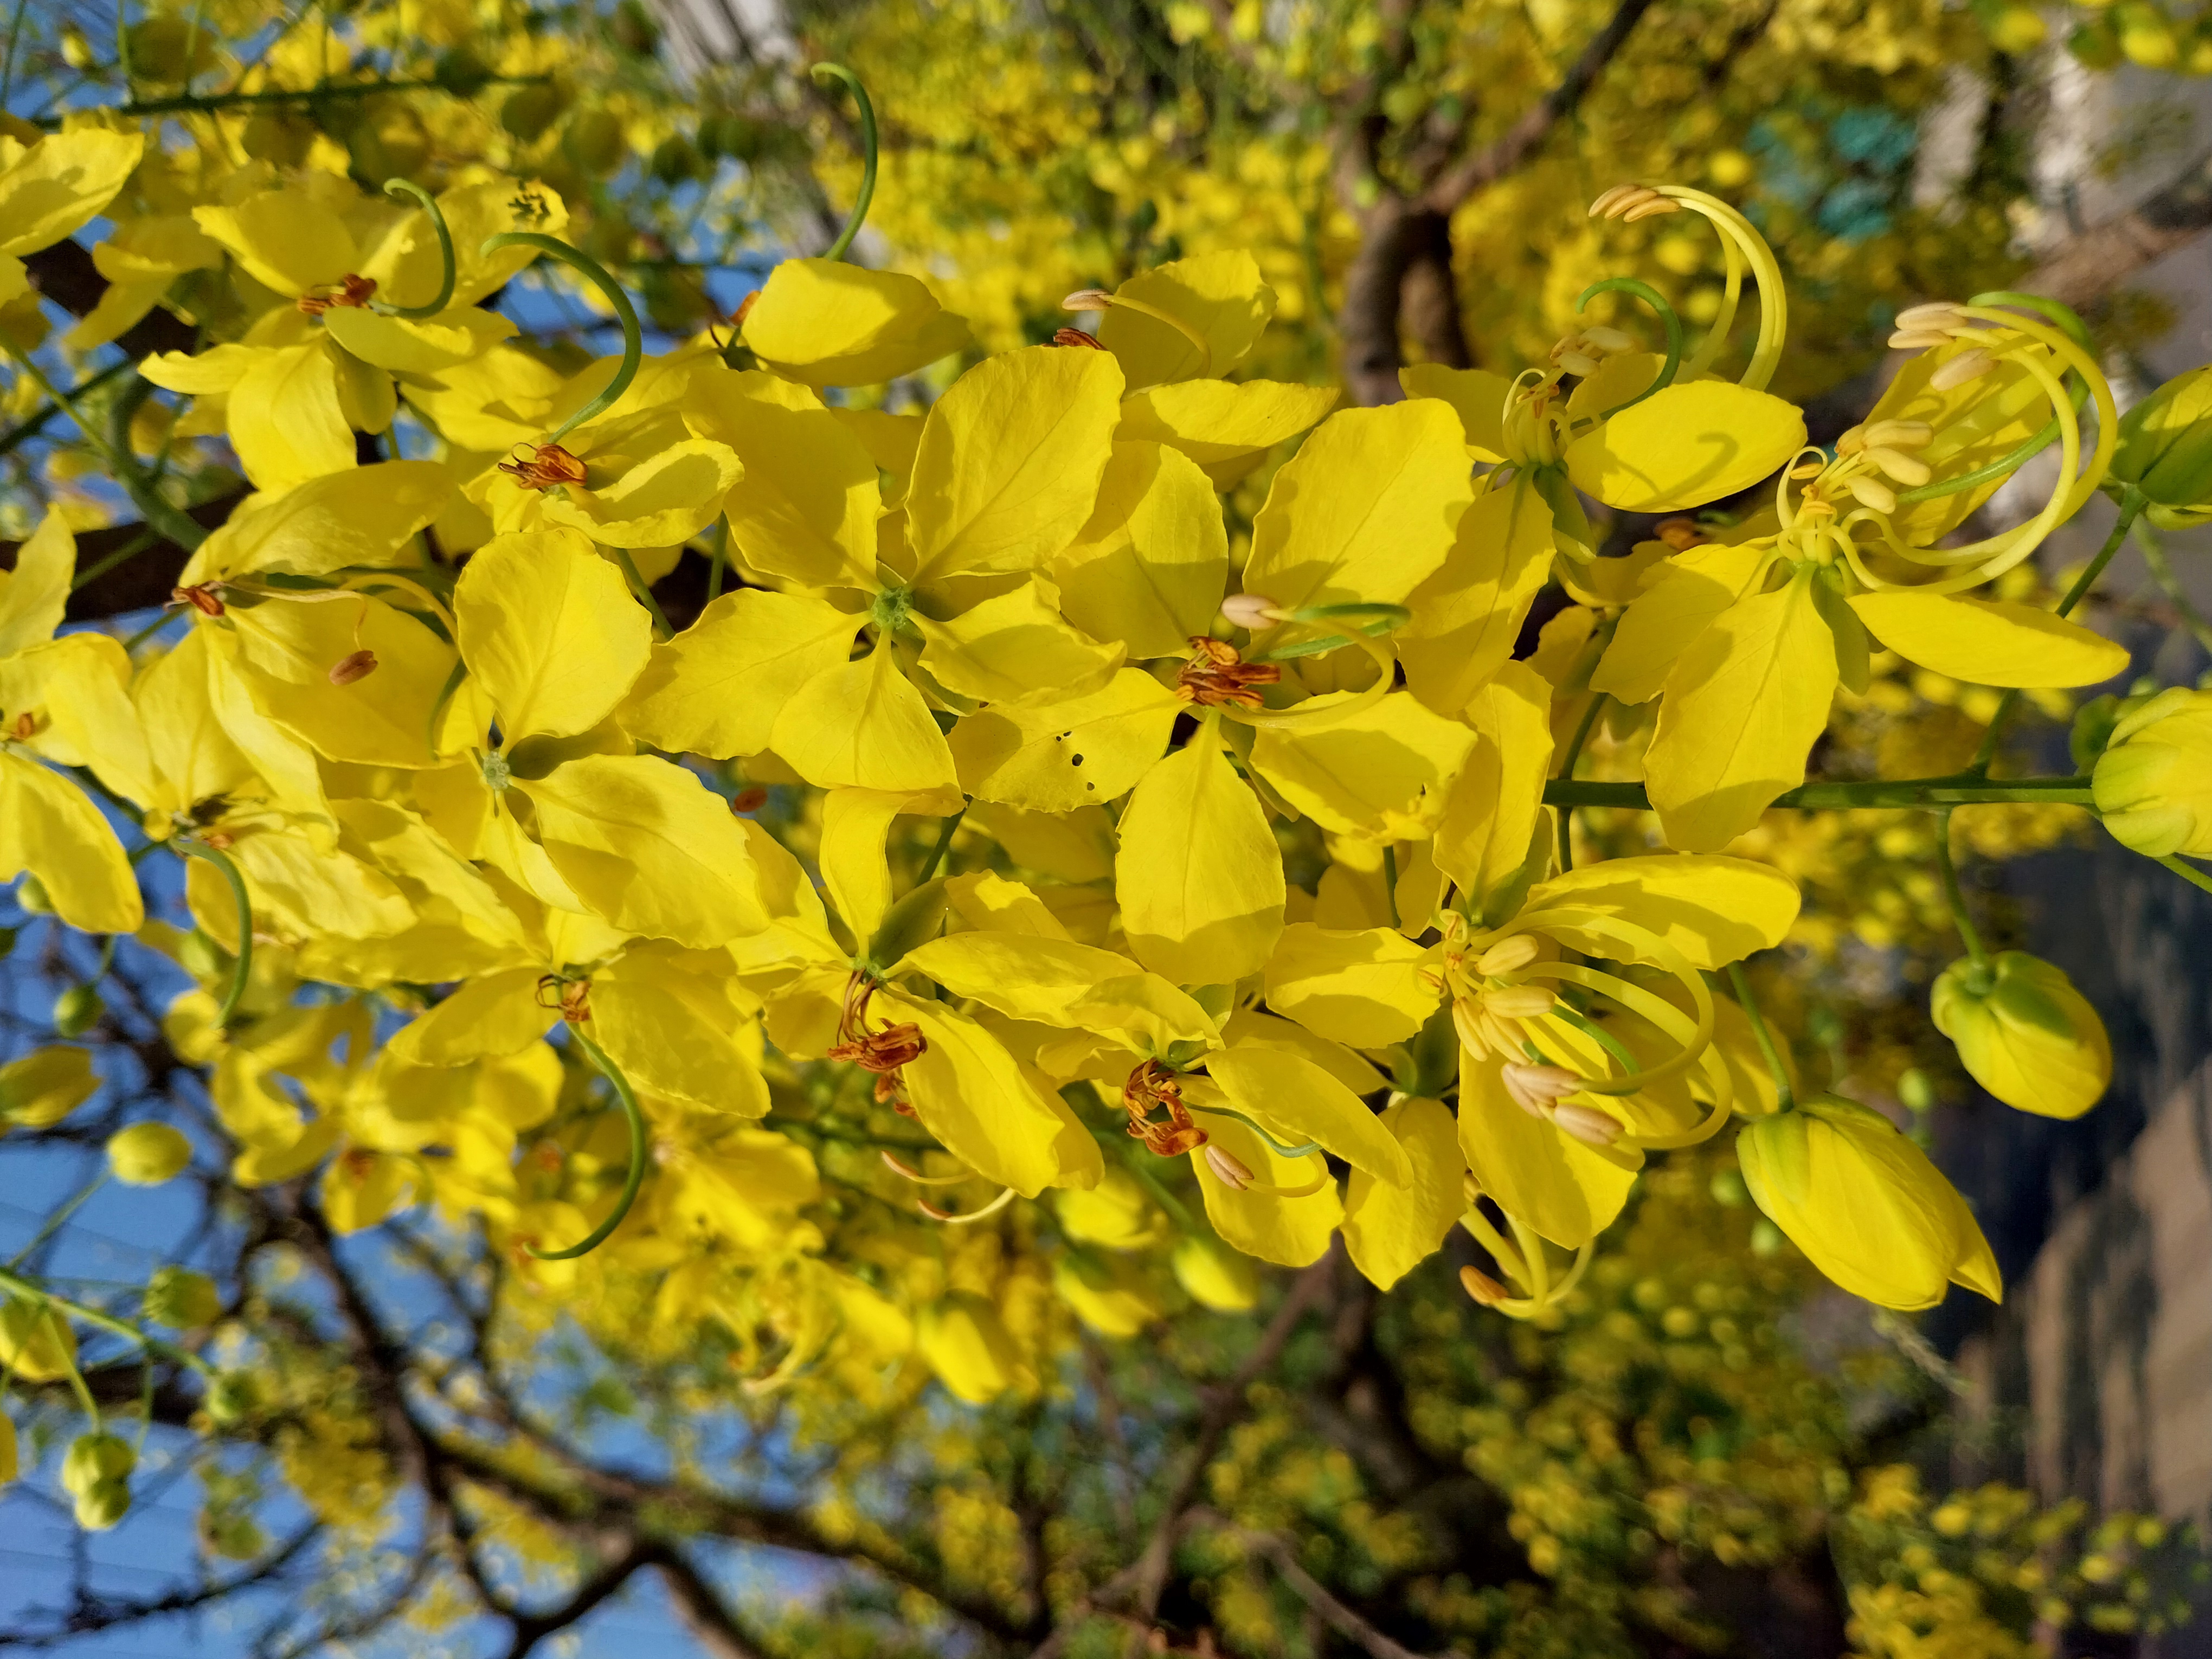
[1309, 1589]
[2086, 267]
[701, 1610]
[1511, 149]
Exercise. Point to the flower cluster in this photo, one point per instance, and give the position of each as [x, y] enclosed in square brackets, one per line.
[425, 738]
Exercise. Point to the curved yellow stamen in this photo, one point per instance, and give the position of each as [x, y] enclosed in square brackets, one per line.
[1738, 233]
[1386, 659]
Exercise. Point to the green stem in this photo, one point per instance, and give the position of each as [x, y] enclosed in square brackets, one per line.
[644, 593]
[1749, 1004]
[242, 969]
[130, 550]
[2132, 503]
[633, 344]
[1673, 324]
[429, 205]
[171, 521]
[823, 74]
[636, 1179]
[1566, 775]
[31, 1290]
[2162, 572]
[944, 846]
[1390, 882]
[720, 561]
[2188, 872]
[192, 103]
[59, 1220]
[18, 436]
[1961, 789]
[1952, 894]
[130, 646]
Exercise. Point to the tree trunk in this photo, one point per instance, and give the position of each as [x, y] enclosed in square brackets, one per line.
[1401, 277]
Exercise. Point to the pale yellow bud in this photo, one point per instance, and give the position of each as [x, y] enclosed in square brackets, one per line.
[1507, 954]
[147, 1154]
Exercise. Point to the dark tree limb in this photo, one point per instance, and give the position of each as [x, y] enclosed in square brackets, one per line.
[65, 274]
[706, 1617]
[2086, 267]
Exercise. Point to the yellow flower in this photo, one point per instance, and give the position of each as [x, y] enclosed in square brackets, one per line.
[1865, 1204]
[2023, 1033]
[2153, 781]
[967, 1345]
[50, 188]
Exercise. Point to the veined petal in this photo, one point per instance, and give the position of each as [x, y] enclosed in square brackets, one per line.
[971, 1093]
[1468, 615]
[663, 499]
[1149, 566]
[1568, 1191]
[1495, 807]
[1221, 297]
[826, 323]
[1014, 647]
[806, 505]
[1226, 428]
[1360, 986]
[1390, 1231]
[1058, 756]
[862, 725]
[1685, 445]
[1686, 596]
[1296, 1101]
[1199, 874]
[50, 829]
[1989, 642]
[1291, 1232]
[1477, 396]
[1709, 909]
[549, 630]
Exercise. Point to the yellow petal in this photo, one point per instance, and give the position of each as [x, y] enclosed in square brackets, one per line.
[1149, 566]
[1495, 807]
[649, 847]
[1377, 771]
[1477, 396]
[1247, 1027]
[1712, 910]
[1686, 596]
[863, 725]
[289, 239]
[1390, 1231]
[830, 323]
[50, 829]
[61, 182]
[1685, 445]
[668, 497]
[1468, 614]
[1220, 296]
[287, 649]
[1291, 1233]
[855, 870]
[671, 1041]
[405, 346]
[549, 630]
[1366, 510]
[1742, 709]
[1989, 642]
[1362, 986]
[1296, 1101]
[806, 505]
[1010, 460]
[1199, 874]
[1058, 756]
[34, 595]
[362, 516]
[1226, 428]
[717, 687]
[1014, 647]
[971, 1094]
[285, 421]
[1556, 1185]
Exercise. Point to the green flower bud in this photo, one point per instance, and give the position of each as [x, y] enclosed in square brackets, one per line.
[78, 1010]
[2165, 450]
[100, 1507]
[181, 1300]
[911, 921]
[231, 1399]
[45, 1086]
[93, 1459]
[147, 1154]
[2153, 782]
[31, 896]
[36, 1342]
[2025, 1034]
[1864, 1204]
[594, 141]
[1216, 1276]
[528, 111]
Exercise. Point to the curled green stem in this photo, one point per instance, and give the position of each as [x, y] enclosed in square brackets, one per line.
[626, 313]
[2055, 312]
[429, 205]
[242, 969]
[631, 1182]
[823, 74]
[1667, 320]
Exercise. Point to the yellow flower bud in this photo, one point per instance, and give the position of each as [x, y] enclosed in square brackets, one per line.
[2166, 450]
[1216, 1276]
[2025, 1034]
[1865, 1204]
[36, 1342]
[45, 1086]
[99, 1506]
[95, 1458]
[182, 1299]
[968, 1346]
[1116, 1213]
[147, 1154]
[2153, 782]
